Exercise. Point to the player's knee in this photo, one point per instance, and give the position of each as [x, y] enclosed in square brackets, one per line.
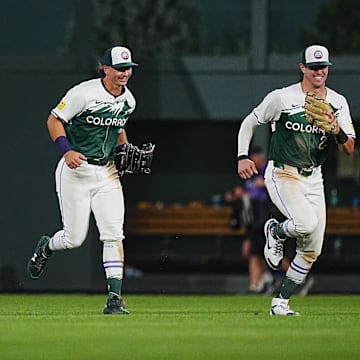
[307, 227]
[73, 241]
[70, 244]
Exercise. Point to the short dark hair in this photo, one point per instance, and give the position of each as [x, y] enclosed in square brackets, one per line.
[100, 71]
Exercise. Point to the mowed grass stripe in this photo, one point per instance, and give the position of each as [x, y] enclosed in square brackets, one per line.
[178, 327]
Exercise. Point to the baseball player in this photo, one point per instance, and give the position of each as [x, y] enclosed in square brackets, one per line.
[293, 175]
[87, 125]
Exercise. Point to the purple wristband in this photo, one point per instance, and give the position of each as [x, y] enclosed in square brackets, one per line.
[63, 144]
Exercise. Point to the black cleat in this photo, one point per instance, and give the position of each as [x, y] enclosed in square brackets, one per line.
[36, 264]
[115, 305]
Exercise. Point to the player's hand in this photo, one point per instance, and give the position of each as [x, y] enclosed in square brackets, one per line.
[332, 119]
[246, 168]
[73, 159]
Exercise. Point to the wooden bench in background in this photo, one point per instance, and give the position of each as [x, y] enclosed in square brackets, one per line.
[343, 221]
[206, 220]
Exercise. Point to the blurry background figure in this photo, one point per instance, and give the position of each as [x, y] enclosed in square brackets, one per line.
[239, 200]
[260, 278]
[251, 207]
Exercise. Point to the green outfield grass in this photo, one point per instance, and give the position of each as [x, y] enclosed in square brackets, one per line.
[178, 327]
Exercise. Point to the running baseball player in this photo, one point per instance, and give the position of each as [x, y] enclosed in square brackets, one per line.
[304, 117]
[87, 125]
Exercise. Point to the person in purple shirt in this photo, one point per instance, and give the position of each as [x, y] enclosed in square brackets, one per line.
[260, 278]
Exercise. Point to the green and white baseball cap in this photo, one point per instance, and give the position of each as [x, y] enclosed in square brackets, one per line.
[118, 57]
[315, 55]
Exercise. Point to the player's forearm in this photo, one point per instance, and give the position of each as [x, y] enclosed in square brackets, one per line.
[349, 146]
[246, 133]
[122, 138]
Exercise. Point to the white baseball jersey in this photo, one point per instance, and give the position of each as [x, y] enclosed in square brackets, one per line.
[93, 117]
[294, 141]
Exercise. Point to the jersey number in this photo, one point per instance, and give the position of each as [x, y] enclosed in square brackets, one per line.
[322, 142]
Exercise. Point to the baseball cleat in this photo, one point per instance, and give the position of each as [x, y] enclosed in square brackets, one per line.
[280, 307]
[115, 305]
[273, 250]
[36, 264]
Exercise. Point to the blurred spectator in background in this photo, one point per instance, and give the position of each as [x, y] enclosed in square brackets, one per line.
[251, 207]
[239, 200]
[260, 278]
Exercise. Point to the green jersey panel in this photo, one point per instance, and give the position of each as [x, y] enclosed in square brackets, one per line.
[94, 118]
[94, 133]
[297, 143]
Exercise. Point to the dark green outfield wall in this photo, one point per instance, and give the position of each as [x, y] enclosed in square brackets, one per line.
[190, 106]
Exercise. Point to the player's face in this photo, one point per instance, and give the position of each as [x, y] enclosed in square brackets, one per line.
[118, 77]
[315, 76]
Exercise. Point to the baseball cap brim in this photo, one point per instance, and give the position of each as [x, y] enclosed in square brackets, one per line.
[122, 65]
[321, 63]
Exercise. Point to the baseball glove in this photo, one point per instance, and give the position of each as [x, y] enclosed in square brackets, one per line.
[315, 112]
[129, 159]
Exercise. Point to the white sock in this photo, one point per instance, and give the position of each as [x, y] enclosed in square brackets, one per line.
[298, 269]
[112, 260]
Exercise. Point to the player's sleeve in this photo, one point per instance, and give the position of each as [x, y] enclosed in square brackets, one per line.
[70, 105]
[268, 110]
[344, 118]
[246, 133]
[131, 101]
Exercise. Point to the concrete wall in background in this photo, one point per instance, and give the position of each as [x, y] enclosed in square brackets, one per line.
[225, 88]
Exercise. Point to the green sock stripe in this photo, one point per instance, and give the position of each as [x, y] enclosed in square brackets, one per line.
[280, 232]
[288, 288]
[47, 250]
[114, 286]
